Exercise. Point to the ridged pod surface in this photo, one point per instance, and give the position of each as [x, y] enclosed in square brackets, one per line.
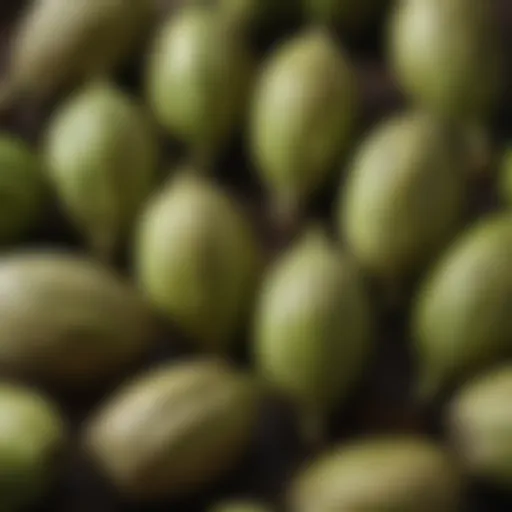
[480, 426]
[351, 15]
[399, 474]
[303, 115]
[197, 259]
[462, 319]
[22, 188]
[405, 195]
[313, 327]
[32, 437]
[102, 154]
[446, 55]
[60, 42]
[239, 506]
[198, 78]
[175, 429]
[67, 321]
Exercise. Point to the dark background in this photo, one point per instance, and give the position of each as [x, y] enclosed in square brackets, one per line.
[382, 404]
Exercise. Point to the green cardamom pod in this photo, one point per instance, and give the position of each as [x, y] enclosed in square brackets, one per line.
[313, 327]
[67, 321]
[405, 195]
[197, 259]
[61, 42]
[32, 438]
[102, 157]
[22, 188]
[239, 506]
[402, 474]
[462, 317]
[198, 77]
[302, 117]
[175, 429]
[446, 55]
[480, 426]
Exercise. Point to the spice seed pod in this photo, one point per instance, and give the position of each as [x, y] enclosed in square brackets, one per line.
[198, 79]
[303, 116]
[175, 429]
[32, 438]
[67, 321]
[405, 195]
[313, 328]
[197, 259]
[22, 188]
[462, 319]
[239, 506]
[480, 426]
[59, 42]
[446, 55]
[399, 474]
[102, 157]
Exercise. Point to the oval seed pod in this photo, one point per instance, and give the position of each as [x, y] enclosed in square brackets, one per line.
[446, 55]
[197, 259]
[239, 506]
[505, 178]
[313, 328]
[22, 188]
[303, 116]
[31, 439]
[59, 42]
[462, 319]
[480, 426]
[405, 195]
[175, 429]
[102, 158]
[400, 474]
[67, 321]
[198, 78]
[350, 15]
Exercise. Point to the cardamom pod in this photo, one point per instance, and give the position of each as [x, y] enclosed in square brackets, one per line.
[480, 426]
[313, 327]
[67, 321]
[102, 157]
[239, 506]
[462, 318]
[59, 43]
[302, 118]
[31, 439]
[174, 429]
[405, 195]
[399, 474]
[22, 188]
[197, 259]
[198, 79]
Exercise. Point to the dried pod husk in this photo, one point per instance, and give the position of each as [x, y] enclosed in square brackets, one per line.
[32, 439]
[68, 321]
[313, 328]
[102, 155]
[403, 474]
[446, 55]
[239, 506]
[22, 188]
[505, 177]
[197, 259]
[302, 118]
[349, 15]
[405, 195]
[198, 79]
[174, 430]
[480, 427]
[462, 318]
[59, 43]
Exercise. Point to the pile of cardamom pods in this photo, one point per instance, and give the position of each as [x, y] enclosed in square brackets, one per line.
[285, 305]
